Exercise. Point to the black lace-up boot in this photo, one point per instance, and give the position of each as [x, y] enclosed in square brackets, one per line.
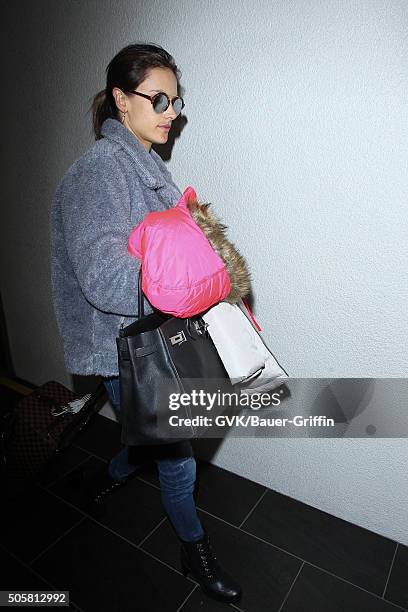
[95, 488]
[199, 560]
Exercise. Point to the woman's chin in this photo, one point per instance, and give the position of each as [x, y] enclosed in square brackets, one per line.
[164, 134]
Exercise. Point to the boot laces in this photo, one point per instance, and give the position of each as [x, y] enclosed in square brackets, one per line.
[208, 558]
[108, 489]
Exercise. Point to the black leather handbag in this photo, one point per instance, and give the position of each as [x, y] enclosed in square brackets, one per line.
[161, 357]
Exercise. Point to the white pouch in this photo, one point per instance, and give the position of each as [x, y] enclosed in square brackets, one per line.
[241, 348]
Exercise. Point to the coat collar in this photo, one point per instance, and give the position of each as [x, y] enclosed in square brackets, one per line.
[150, 165]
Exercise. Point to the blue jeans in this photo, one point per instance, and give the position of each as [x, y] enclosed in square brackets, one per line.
[177, 479]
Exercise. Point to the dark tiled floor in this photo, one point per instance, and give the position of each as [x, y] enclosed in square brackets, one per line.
[288, 556]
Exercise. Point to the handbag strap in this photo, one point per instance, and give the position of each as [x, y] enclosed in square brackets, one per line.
[141, 297]
[140, 304]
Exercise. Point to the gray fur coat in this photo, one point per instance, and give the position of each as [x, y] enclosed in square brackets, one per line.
[102, 197]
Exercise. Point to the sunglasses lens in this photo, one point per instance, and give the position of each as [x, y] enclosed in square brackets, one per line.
[161, 102]
[178, 105]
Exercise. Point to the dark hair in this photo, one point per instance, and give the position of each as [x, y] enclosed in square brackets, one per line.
[127, 70]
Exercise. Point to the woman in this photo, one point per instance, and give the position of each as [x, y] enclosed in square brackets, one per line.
[103, 196]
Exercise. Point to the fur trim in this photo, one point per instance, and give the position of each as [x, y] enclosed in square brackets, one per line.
[234, 262]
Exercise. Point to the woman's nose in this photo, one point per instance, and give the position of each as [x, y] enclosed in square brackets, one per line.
[170, 112]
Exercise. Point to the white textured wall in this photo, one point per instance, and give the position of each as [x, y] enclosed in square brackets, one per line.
[297, 132]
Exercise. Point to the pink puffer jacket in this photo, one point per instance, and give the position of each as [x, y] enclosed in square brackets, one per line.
[182, 274]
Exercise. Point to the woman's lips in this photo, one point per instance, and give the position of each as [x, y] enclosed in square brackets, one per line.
[165, 127]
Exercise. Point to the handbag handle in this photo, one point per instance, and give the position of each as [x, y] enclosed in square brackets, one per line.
[140, 305]
[141, 297]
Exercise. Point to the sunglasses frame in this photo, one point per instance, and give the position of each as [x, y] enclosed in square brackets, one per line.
[160, 93]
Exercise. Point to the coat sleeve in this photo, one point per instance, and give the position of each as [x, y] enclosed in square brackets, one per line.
[96, 222]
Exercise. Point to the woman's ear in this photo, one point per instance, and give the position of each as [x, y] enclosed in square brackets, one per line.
[120, 99]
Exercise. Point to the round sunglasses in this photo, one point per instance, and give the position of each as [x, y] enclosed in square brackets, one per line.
[161, 102]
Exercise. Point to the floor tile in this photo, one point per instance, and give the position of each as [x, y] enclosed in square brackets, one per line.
[264, 572]
[200, 602]
[61, 464]
[355, 554]
[132, 511]
[101, 437]
[33, 520]
[316, 591]
[397, 588]
[225, 494]
[15, 576]
[105, 574]
[150, 473]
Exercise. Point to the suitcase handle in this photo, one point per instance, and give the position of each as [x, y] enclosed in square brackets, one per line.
[100, 390]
